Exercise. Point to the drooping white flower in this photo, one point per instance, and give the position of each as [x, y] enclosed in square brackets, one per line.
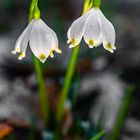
[42, 41]
[95, 28]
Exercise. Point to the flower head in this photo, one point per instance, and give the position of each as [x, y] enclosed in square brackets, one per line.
[95, 28]
[42, 41]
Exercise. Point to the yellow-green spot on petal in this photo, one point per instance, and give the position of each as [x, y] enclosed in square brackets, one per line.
[42, 56]
[21, 55]
[51, 54]
[73, 42]
[108, 46]
[91, 42]
[17, 49]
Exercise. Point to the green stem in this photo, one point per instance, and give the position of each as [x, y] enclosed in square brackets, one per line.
[70, 72]
[96, 3]
[41, 82]
[68, 79]
[42, 91]
[87, 5]
[32, 6]
[99, 135]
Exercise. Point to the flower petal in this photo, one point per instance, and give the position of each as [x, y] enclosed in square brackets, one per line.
[108, 46]
[107, 32]
[50, 34]
[22, 41]
[92, 31]
[77, 29]
[39, 43]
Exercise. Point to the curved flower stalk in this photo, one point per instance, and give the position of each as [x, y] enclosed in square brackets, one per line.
[42, 40]
[95, 28]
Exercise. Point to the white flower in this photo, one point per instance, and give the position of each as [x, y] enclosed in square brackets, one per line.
[42, 40]
[95, 28]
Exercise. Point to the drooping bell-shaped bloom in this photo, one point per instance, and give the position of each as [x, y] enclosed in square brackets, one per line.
[95, 28]
[42, 41]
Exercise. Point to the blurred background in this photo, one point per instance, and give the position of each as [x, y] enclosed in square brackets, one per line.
[104, 94]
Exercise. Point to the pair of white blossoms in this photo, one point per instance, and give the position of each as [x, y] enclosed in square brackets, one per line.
[93, 26]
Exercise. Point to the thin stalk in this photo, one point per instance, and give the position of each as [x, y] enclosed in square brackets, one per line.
[96, 3]
[68, 79]
[70, 71]
[99, 135]
[42, 90]
[41, 82]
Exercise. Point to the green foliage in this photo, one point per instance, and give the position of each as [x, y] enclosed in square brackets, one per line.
[98, 136]
[122, 113]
